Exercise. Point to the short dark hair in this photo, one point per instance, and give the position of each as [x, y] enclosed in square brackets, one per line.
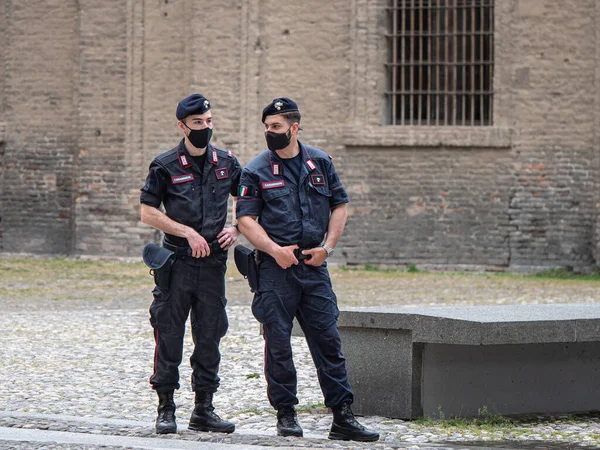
[292, 117]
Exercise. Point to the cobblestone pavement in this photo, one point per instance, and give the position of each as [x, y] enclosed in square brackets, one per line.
[68, 365]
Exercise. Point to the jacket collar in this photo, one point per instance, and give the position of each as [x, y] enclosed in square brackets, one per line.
[277, 166]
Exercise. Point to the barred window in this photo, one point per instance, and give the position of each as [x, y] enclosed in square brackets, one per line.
[441, 64]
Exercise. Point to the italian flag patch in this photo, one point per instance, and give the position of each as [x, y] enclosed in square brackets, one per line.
[243, 191]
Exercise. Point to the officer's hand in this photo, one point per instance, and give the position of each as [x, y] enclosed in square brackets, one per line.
[198, 244]
[227, 237]
[285, 256]
[319, 255]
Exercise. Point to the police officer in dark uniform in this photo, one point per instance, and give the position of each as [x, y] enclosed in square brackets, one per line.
[300, 203]
[193, 181]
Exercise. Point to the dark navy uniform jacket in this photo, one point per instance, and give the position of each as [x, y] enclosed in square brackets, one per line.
[193, 196]
[291, 212]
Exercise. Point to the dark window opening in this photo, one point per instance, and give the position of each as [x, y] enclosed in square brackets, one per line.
[441, 64]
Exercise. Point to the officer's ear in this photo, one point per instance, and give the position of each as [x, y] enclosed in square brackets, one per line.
[181, 126]
[296, 127]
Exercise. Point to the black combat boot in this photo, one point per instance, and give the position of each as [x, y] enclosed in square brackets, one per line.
[205, 419]
[165, 421]
[287, 422]
[345, 427]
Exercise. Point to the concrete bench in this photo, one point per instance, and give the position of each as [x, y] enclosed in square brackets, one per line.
[510, 359]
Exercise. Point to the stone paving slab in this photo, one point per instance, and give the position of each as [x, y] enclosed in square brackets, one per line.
[73, 430]
[497, 314]
[477, 325]
[29, 436]
[32, 438]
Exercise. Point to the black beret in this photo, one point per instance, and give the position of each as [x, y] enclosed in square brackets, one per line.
[279, 106]
[194, 104]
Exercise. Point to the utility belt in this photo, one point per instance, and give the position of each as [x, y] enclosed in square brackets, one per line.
[161, 259]
[261, 256]
[300, 256]
[247, 261]
[215, 247]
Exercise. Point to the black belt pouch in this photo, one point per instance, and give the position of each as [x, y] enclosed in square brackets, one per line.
[245, 261]
[160, 260]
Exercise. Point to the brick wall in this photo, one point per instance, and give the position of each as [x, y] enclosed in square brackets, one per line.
[82, 125]
[3, 74]
[41, 125]
[551, 207]
[527, 204]
[104, 208]
[451, 204]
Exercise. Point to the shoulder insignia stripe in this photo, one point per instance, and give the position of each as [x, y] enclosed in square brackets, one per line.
[183, 162]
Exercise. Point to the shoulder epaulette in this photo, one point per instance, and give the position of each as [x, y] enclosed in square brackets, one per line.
[168, 156]
[223, 153]
[316, 153]
[260, 161]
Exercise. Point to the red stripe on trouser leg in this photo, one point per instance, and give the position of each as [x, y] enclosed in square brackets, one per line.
[265, 363]
[155, 353]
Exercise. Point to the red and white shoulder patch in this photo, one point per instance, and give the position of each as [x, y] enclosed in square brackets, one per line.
[183, 162]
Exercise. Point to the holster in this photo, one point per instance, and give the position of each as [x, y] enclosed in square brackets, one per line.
[160, 260]
[245, 261]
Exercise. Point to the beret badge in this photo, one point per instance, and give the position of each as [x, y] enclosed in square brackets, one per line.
[280, 105]
[193, 104]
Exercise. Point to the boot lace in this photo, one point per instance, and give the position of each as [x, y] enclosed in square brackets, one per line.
[166, 414]
[213, 415]
[347, 414]
[208, 412]
[287, 418]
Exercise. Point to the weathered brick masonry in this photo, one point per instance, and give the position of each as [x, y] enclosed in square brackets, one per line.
[88, 92]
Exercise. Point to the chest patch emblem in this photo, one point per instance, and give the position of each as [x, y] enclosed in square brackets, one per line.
[222, 173]
[317, 179]
[178, 179]
[273, 184]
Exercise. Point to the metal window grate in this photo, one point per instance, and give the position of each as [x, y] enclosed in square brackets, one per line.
[441, 64]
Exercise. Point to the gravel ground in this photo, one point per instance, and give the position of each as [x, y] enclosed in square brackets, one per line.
[76, 341]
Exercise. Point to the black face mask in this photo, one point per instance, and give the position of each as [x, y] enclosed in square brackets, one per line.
[199, 138]
[277, 141]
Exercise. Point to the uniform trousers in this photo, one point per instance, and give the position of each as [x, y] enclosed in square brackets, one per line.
[303, 292]
[197, 286]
